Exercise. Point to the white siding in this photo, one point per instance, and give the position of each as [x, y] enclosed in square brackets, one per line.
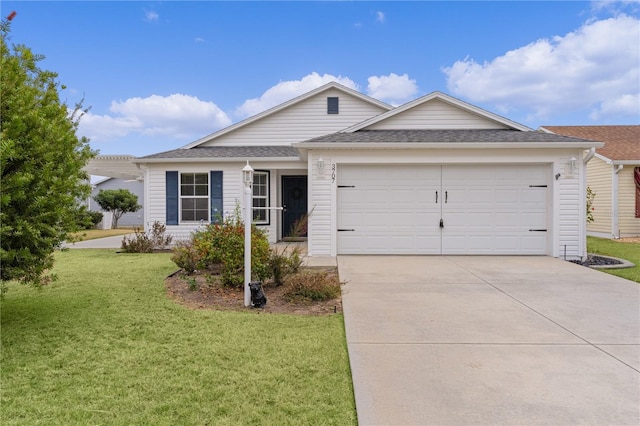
[571, 201]
[320, 193]
[302, 121]
[436, 114]
[599, 180]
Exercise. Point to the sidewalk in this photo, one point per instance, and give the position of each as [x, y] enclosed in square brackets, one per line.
[114, 242]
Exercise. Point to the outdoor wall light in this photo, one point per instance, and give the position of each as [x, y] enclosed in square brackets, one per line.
[572, 166]
[320, 164]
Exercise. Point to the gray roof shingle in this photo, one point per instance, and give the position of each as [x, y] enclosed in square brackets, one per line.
[228, 152]
[441, 136]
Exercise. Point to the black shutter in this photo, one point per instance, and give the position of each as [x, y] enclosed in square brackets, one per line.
[215, 191]
[172, 197]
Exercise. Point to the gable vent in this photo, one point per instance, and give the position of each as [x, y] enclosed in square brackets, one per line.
[332, 105]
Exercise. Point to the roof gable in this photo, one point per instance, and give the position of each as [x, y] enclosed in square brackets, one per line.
[437, 111]
[375, 107]
[621, 143]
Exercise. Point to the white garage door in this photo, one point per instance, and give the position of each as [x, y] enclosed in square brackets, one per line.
[449, 209]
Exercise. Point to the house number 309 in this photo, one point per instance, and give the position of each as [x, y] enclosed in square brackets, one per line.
[333, 172]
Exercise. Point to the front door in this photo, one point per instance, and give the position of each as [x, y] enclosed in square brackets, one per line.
[294, 203]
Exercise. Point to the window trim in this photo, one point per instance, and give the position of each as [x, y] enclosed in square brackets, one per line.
[182, 197]
[267, 173]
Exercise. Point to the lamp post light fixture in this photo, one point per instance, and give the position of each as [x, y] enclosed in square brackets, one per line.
[247, 178]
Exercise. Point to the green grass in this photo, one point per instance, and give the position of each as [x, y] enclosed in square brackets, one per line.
[621, 250]
[104, 346]
[92, 234]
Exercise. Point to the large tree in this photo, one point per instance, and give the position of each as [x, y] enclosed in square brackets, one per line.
[41, 163]
[118, 201]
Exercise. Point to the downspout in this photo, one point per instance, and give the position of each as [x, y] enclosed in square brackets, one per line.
[583, 219]
[145, 190]
[615, 223]
[589, 156]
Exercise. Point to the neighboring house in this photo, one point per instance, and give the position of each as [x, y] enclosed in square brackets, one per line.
[614, 176]
[434, 176]
[136, 186]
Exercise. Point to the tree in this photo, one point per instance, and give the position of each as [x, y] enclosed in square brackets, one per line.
[118, 201]
[41, 164]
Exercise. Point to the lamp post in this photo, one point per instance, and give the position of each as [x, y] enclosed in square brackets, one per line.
[247, 178]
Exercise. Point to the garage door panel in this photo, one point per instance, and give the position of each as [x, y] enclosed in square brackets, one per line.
[485, 209]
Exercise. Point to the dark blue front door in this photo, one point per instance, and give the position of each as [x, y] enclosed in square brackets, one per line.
[294, 202]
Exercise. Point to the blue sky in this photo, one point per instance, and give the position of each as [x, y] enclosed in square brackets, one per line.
[159, 75]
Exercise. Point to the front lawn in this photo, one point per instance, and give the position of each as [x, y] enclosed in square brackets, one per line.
[104, 345]
[623, 250]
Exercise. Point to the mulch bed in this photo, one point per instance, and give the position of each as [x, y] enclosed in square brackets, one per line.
[207, 294]
[595, 260]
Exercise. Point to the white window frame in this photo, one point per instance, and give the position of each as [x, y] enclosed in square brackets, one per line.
[182, 197]
[266, 197]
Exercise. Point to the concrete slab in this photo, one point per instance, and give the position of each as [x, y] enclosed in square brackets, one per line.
[493, 385]
[404, 269]
[600, 314]
[490, 340]
[451, 313]
[525, 270]
[629, 354]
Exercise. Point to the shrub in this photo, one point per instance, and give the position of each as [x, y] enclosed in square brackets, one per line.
[312, 286]
[158, 237]
[138, 243]
[147, 242]
[283, 263]
[186, 256]
[87, 219]
[222, 245]
[590, 196]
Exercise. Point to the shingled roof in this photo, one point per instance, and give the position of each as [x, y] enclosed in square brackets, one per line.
[228, 152]
[441, 136]
[621, 142]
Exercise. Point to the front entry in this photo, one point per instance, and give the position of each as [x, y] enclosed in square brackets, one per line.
[294, 203]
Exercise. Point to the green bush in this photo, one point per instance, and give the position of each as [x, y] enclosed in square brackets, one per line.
[222, 246]
[312, 285]
[186, 256]
[283, 263]
[87, 219]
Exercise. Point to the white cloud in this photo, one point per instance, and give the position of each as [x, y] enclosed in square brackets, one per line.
[380, 17]
[624, 104]
[595, 67]
[198, 40]
[286, 90]
[151, 16]
[392, 88]
[176, 116]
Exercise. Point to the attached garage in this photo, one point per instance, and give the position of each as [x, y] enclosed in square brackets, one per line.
[438, 176]
[443, 209]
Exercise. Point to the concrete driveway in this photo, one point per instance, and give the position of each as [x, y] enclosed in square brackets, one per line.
[458, 340]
